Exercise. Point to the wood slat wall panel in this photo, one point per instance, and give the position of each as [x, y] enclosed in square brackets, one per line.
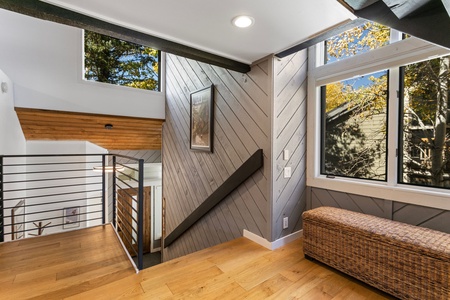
[289, 132]
[240, 127]
[127, 132]
[433, 218]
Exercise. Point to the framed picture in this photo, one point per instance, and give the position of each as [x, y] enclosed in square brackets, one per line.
[71, 217]
[202, 119]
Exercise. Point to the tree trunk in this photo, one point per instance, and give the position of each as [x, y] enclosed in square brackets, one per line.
[437, 163]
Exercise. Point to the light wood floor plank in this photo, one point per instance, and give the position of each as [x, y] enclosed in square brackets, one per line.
[91, 264]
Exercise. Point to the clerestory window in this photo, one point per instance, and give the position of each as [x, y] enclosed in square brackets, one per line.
[113, 61]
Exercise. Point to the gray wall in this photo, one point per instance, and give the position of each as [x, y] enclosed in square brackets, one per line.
[241, 126]
[289, 132]
[433, 218]
[149, 156]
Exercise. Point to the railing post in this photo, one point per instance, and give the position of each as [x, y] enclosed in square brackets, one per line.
[114, 191]
[141, 216]
[2, 220]
[103, 189]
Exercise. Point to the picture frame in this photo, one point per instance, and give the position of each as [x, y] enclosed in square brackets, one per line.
[202, 119]
[71, 217]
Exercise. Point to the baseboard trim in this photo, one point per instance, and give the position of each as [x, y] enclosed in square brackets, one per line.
[275, 244]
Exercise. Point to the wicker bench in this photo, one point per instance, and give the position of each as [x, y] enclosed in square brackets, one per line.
[406, 261]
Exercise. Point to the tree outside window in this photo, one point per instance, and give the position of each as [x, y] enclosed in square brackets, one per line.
[119, 62]
[425, 125]
[354, 126]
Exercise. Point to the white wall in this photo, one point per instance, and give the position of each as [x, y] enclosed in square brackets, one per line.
[44, 60]
[80, 189]
[12, 140]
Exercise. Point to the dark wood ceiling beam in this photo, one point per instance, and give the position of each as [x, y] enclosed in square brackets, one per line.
[45, 11]
[321, 37]
[432, 23]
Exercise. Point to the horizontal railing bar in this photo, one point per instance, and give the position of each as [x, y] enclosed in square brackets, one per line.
[126, 175]
[129, 205]
[55, 163]
[123, 228]
[51, 195]
[53, 155]
[42, 212]
[129, 243]
[123, 156]
[48, 179]
[52, 187]
[124, 215]
[54, 202]
[123, 219]
[126, 192]
[128, 167]
[51, 210]
[121, 188]
[47, 171]
[56, 225]
[54, 218]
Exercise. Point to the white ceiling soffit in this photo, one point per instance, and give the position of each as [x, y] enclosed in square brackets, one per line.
[206, 24]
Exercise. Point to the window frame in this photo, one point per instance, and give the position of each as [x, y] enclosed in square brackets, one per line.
[161, 74]
[390, 57]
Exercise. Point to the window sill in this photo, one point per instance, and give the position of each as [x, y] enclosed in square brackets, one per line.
[424, 196]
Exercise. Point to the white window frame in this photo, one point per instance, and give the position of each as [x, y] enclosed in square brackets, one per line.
[162, 75]
[389, 57]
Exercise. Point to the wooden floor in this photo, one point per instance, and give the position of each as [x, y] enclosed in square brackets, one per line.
[61, 265]
[73, 267]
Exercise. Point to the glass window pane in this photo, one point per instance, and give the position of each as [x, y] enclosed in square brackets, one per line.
[425, 158]
[354, 127]
[114, 61]
[358, 40]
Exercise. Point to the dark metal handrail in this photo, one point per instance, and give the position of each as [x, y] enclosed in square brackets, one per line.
[253, 164]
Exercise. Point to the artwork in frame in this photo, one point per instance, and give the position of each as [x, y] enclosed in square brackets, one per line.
[71, 217]
[202, 119]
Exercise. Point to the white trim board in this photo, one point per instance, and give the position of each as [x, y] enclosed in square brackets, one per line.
[276, 244]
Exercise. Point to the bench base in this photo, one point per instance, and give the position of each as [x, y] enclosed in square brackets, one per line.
[382, 261]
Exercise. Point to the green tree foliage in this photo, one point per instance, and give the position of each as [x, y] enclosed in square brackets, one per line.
[352, 147]
[426, 138]
[118, 62]
[357, 40]
[355, 131]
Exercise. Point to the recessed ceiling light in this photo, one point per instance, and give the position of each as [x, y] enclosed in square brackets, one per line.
[243, 21]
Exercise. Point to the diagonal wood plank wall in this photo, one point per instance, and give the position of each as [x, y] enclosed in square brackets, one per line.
[241, 126]
[289, 132]
[432, 218]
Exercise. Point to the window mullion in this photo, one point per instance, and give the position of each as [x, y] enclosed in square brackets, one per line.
[393, 127]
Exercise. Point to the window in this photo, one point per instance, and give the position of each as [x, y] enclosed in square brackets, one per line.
[354, 127]
[358, 40]
[425, 158]
[114, 61]
[386, 133]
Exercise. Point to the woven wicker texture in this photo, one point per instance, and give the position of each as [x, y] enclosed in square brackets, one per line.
[406, 261]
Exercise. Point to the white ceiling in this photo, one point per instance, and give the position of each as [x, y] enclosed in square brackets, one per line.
[206, 24]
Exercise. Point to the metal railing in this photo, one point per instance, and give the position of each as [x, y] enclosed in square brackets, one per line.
[128, 201]
[50, 193]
